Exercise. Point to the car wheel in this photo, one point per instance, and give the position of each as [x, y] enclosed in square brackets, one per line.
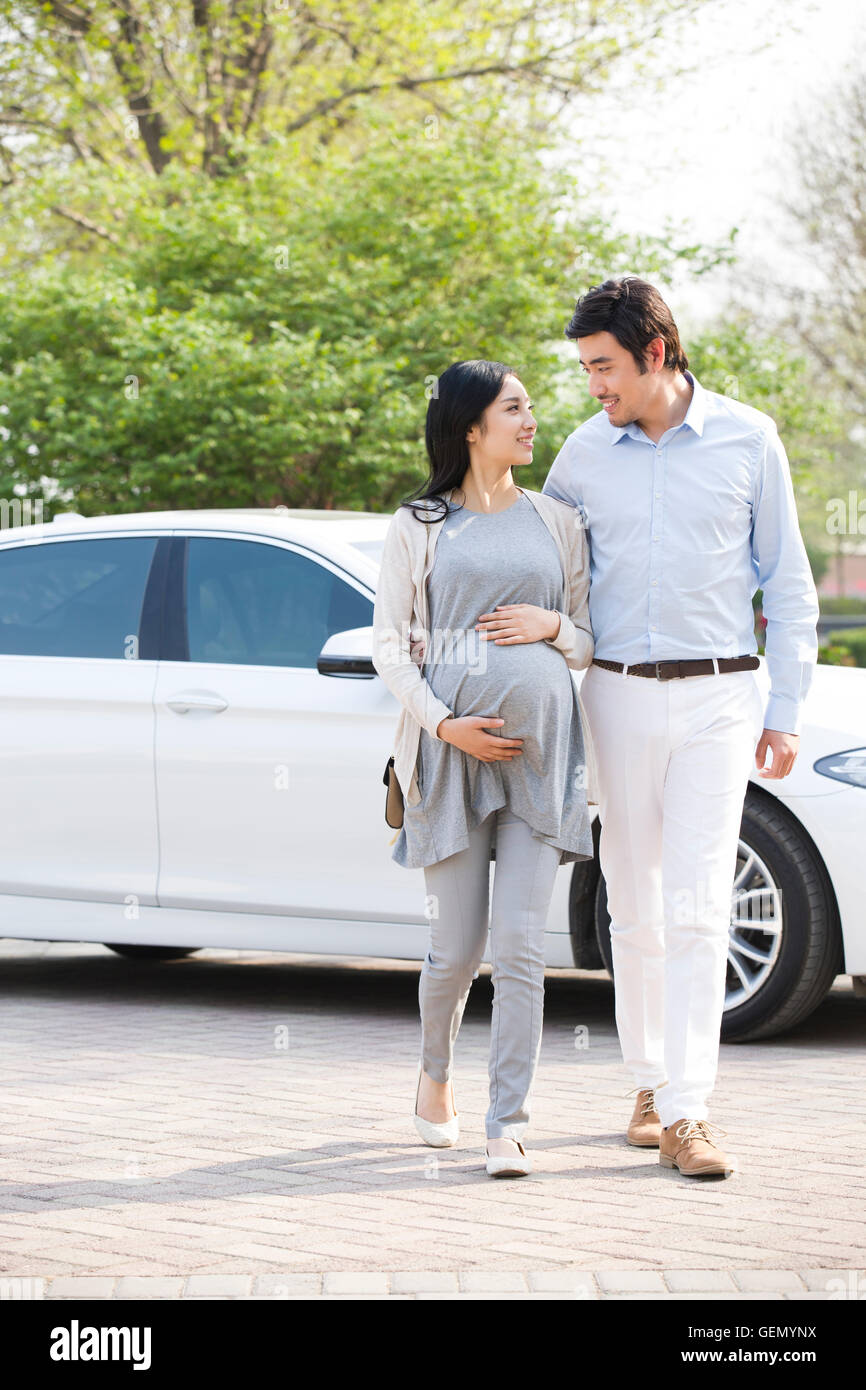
[151, 952]
[785, 945]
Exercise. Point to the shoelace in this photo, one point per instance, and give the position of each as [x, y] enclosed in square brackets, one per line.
[700, 1129]
[650, 1102]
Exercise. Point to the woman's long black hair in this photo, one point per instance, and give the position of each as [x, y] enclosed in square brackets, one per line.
[460, 396]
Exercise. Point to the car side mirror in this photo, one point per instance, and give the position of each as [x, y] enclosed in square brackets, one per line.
[348, 654]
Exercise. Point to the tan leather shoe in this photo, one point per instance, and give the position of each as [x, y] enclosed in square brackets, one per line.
[645, 1125]
[689, 1145]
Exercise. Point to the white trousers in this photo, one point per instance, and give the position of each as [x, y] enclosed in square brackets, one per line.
[673, 762]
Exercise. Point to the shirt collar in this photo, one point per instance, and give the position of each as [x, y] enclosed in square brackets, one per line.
[694, 417]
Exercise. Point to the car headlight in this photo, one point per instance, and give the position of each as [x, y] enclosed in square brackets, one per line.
[849, 766]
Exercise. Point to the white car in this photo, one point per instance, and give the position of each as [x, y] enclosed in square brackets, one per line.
[192, 746]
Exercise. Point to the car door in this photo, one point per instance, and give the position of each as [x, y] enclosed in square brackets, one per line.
[77, 802]
[268, 773]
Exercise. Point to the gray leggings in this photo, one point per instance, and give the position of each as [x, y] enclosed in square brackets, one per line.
[459, 892]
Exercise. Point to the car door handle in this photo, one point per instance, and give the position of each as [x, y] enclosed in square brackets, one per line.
[182, 703]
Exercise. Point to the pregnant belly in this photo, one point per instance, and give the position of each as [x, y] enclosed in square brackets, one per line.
[528, 685]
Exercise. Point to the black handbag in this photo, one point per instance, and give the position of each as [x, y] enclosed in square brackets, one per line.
[393, 797]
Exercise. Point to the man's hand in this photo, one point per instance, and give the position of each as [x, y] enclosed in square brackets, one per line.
[518, 622]
[784, 748]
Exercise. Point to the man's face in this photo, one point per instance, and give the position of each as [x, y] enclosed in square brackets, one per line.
[614, 378]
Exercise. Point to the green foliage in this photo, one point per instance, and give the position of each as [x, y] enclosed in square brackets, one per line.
[850, 641]
[272, 337]
[844, 605]
[242, 240]
[760, 369]
[819, 562]
[130, 85]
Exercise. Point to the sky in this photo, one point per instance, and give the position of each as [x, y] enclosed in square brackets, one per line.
[710, 148]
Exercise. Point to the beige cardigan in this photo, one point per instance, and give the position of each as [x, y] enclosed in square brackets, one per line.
[401, 617]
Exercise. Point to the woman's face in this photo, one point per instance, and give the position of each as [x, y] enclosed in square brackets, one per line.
[509, 427]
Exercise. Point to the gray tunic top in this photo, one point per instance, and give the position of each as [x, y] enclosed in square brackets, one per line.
[482, 560]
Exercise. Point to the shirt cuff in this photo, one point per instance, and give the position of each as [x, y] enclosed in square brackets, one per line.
[783, 714]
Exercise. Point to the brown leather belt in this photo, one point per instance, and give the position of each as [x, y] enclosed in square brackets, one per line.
[673, 670]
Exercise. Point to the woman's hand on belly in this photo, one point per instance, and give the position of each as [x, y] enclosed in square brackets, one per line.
[468, 734]
[518, 622]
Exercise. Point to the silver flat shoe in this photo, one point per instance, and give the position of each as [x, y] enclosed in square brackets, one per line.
[438, 1136]
[511, 1166]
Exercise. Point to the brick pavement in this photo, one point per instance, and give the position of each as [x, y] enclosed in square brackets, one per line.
[238, 1125]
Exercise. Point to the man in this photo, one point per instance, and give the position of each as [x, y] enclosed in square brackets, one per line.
[687, 500]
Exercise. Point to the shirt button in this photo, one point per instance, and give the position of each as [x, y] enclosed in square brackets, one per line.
[655, 581]
[653, 628]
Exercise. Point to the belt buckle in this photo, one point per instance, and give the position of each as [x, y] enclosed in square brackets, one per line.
[659, 676]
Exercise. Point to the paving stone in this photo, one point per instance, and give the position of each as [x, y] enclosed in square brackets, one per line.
[218, 1285]
[284, 1285]
[137, 1286]
[174, 1143]
[563, 1281]
[848, 1283]
[774, 1280]
[355, 1281]
[699, 1281]
[79, 1286]
[428, 1281]
[630, 1281]
[492, 1281]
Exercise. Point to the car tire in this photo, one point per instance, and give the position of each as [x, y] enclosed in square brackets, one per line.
[809, 954]
[151, 952]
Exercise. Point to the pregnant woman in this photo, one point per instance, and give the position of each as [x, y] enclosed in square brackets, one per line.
[489, 750]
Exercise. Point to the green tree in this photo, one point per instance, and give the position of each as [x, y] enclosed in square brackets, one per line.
[272, 337]
[741, 359]
[243, 238]
[141, 84]
[820, 310]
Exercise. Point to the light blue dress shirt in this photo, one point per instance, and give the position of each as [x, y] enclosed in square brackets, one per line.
[682, 532]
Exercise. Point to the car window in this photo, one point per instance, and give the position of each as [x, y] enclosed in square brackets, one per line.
[73, 598]
[260, 605]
